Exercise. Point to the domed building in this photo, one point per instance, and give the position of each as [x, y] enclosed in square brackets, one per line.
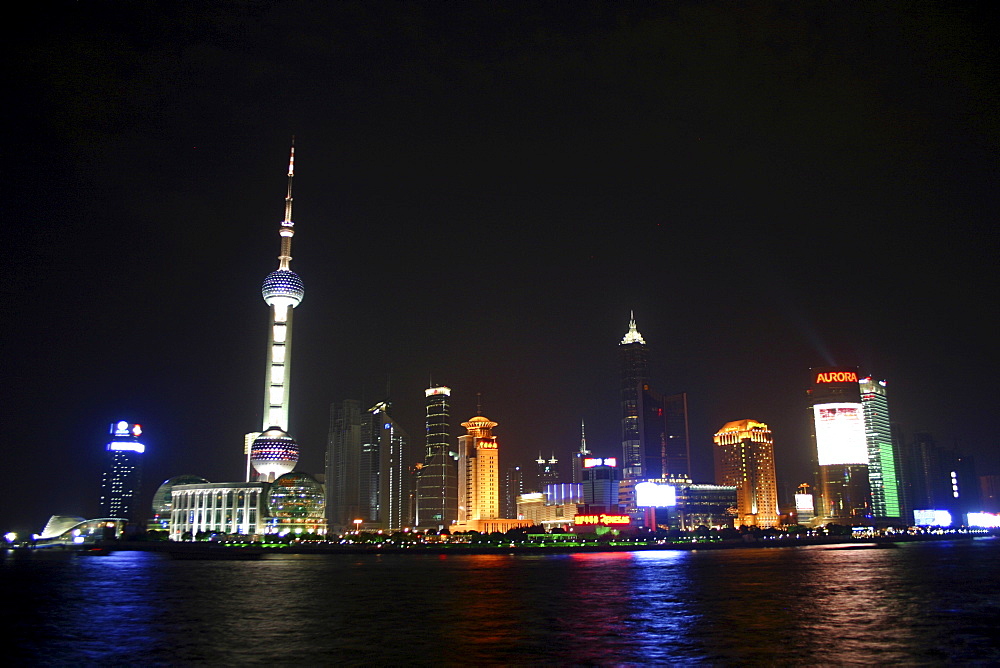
[163, 500]
[296, 503]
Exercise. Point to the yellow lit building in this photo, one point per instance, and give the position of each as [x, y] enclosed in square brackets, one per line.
[744, 457]
[479, 480]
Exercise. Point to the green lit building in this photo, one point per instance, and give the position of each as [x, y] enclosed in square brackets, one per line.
[883, 473]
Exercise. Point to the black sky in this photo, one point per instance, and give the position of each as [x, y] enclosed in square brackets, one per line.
[483, 193]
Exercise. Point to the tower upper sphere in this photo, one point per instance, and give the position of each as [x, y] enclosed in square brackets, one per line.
[282, 285]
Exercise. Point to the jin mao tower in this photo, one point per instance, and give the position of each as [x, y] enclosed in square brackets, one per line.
[635, 373]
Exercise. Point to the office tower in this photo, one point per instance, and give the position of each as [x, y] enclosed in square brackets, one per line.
[841, 446]
[547, 470]
[437, 481]
[121, 481]
[599, 486]
[580, 455]
[383, 478]
[664, 445]
[478, 472]
[343, 456]
[882, 457]
[513, 487]
[274, 452]
[744, 458]
[635, 373]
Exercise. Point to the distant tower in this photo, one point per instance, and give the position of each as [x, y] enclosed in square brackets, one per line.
[744, 457]
[635, 373]
[548, 470]
[274, 449]
[121, 481]
[882, 457]
[478, 472]
[841, 446]
[580, 455]
[437, 480]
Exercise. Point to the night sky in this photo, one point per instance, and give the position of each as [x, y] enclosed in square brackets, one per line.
[483, 192]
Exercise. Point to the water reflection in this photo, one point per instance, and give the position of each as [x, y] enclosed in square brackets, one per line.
[929, 604]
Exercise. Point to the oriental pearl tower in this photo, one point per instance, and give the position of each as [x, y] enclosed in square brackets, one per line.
[274, 452]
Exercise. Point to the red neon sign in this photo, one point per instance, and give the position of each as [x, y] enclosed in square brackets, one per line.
[601, 519]
[837, 377]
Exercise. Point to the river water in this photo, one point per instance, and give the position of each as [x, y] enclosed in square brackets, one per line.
[919, 604]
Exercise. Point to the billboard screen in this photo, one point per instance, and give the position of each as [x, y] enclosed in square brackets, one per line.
[840, 434]
[988, 520]
[804, 503]
[649, 494]
[932, 518]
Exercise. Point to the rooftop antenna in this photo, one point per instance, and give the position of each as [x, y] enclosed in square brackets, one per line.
[287, 230]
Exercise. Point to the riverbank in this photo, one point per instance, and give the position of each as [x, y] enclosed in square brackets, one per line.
[210, 550]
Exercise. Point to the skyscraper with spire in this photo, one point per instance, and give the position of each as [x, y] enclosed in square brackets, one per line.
[635, 373]
[580, 455]
[274, 452]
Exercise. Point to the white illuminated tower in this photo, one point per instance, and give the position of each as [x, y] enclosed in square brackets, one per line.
[274, 452]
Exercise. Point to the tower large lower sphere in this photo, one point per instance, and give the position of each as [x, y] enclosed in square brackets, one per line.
[273, 453]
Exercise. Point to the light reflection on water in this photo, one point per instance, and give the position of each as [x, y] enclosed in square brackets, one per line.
[928, 603]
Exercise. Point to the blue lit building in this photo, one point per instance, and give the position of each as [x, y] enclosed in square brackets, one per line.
[121, 481]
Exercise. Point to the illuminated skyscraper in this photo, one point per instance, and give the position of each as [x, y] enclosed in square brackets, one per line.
[121, 481]
[437, 480]
[841, 446]
[744, 458]
[635, 373]
[274, 452]
[664, 447]
[882, 457]
[367, 468]
[478, 472]
[384, 479]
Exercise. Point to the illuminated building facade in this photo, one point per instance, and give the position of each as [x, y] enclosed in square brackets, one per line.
[705, 505]
[437, 480]
[882, 456]
[274, 452]
[744, 458]
[841, 446]
[478, 472]
[229, 508]
[121, 481]
[599, 486]
[634, 374]
[292, 503]
[163, 504]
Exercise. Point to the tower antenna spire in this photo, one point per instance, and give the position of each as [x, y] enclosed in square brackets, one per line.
[287, 230]
[479, 403]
